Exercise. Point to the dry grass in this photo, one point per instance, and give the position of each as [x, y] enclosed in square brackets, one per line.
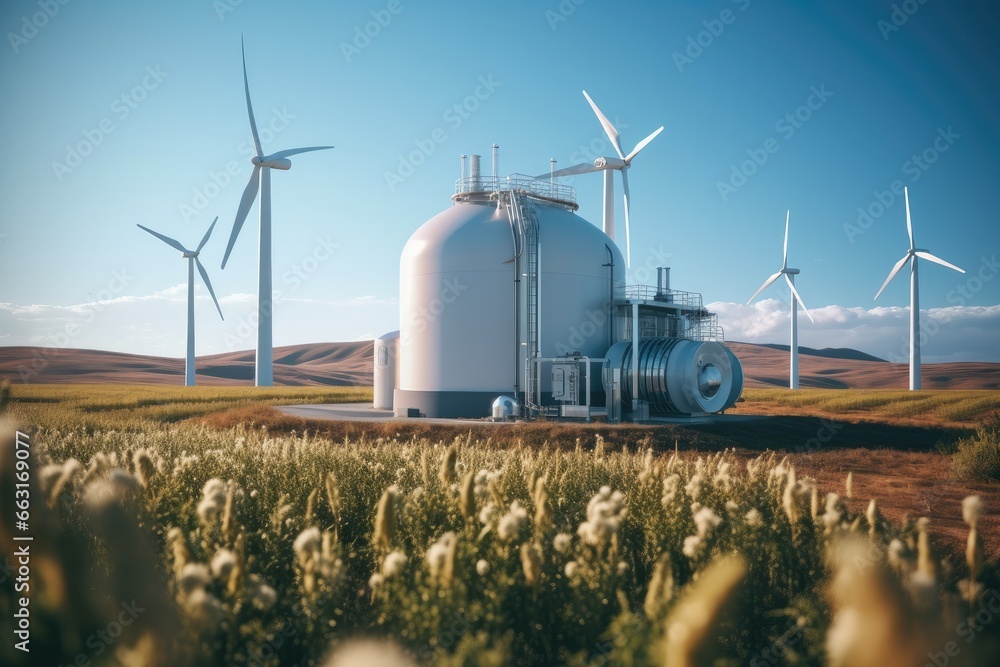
[943, 408]
[135, 407]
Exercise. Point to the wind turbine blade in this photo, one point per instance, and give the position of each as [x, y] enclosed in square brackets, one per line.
[166, 239]
[784, 254]
[295, 151]
[642, 144]
[208, 284]
[582, 168]
[798, 298]
[204, 239]
[892, 274]
[628, 233]
[249, 194]
[246, 89]
[767, 283]
[608, 127]
[909, 225]
[937, 260]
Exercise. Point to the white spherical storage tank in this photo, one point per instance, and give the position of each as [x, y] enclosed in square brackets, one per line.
[464, 324]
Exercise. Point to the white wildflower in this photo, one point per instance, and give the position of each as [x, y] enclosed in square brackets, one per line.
[670, 485]
[753, 517]
[972, 509]
[307, 544]
[482, 567]
[692, 545]
[194, 576]
[604, 514]
[571, 568]
[393, 564]
[223, 564]
[693, 487]
[705, 520]
[562, 543]
[512, 523]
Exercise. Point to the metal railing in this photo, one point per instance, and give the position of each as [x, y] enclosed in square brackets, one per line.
[533, 186]
[688, 300]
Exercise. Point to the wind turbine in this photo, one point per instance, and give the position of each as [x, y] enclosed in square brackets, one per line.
[192, 257]
[793, 348]
[911, 256]
[609, 165]
[260, 179]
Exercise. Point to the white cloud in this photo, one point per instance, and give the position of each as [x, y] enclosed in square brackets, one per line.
[954, 333]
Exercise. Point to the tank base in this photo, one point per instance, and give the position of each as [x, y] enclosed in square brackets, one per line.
[445, 404]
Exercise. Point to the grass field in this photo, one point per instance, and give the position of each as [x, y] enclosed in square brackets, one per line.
[248, 541]
[934, 407]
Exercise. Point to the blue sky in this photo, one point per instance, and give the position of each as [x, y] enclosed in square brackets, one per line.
[152, 93]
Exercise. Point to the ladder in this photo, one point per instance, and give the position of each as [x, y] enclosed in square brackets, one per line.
[522, 212]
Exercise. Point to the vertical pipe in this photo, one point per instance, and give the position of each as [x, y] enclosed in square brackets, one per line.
[464, 157]
[635, 359]
[496, 164]
[552, 172]
[793, 348]
[264, 364]
[189, 370]
[609, 203]
[915, 379]
[474, 174]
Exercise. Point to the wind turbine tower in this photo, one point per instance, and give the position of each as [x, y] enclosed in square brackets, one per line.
[911, 256]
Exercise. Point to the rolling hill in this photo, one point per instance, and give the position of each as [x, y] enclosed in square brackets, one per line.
[351, 364]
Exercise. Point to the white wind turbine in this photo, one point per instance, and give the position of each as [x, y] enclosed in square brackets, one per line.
[911, 256]
[261, 179]
[192, 257]
[793, 348]
[609, 165]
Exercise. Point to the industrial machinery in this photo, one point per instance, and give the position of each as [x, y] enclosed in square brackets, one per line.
[509, 293]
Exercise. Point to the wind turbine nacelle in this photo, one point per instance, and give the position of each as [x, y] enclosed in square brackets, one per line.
[280, 163]
[609, 163]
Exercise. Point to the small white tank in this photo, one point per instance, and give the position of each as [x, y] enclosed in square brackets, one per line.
[386, 375]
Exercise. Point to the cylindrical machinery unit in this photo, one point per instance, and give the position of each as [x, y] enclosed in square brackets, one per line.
[464, 285]
[679, 376]
[386, 375]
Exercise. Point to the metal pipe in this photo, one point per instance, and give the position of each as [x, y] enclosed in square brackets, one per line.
[474, 175]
